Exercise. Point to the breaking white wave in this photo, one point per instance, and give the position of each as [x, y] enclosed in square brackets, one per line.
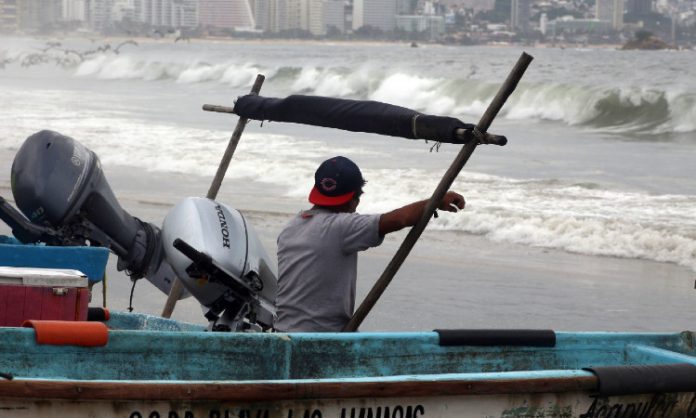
[642, 108]
[582, 218]
[585, 219]
[628, 109]
[618, 109]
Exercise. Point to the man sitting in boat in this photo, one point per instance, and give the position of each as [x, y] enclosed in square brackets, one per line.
[317, 250]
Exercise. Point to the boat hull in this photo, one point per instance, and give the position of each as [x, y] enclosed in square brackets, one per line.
[151, 367]
[537, 405]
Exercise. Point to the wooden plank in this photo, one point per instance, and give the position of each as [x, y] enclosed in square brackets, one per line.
[264, 391]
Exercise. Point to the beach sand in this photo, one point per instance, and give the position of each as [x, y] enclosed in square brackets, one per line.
[474, 283]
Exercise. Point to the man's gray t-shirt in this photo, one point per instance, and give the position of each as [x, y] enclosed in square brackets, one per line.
[317, 268]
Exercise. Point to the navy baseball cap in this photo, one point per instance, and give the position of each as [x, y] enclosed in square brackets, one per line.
[335, 182]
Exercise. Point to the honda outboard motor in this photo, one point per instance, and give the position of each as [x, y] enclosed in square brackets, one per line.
[221, 262]
[58, 184]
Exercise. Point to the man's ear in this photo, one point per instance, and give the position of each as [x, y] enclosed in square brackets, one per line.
[354, 202]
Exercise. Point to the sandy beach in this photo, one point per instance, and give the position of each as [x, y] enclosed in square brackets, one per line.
[480, 284]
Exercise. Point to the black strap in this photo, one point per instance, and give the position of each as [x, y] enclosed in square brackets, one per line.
[493, 337]
[130, 301]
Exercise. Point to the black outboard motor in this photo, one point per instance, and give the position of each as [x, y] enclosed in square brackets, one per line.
[58, 184]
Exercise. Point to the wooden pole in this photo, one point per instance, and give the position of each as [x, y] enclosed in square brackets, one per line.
[498, 101]
[177, 289]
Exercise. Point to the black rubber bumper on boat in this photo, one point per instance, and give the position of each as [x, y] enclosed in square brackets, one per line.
[493, 337]
[658, 378]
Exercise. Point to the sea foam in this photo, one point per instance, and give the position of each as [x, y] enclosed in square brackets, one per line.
[628, 109]
[583, 218]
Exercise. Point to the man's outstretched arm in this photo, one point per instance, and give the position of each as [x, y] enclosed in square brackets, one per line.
[410, 214]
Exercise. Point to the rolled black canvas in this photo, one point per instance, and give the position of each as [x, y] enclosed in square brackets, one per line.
[351, 115]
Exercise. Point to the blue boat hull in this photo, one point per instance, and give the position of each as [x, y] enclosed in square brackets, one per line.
[152, 367]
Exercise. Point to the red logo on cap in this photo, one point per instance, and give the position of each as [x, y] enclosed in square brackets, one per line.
[328, 184]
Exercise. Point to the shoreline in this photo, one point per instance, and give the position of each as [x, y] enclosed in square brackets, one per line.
[299, 41]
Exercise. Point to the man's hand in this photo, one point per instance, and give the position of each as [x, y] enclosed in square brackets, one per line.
[410, 214]
[452, 202]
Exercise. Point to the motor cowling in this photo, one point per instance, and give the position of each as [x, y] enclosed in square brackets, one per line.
[55, 178]
[220, 260]
[58, 182]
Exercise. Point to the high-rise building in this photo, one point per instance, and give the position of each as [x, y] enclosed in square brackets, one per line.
[476, 5]
[166, 13]
[271, 15]
[156, 12]
[98, 14]
[315, 17]
[279, 15]
[611, 11]
[297, 14]
[263, 14]
[380, 14]
[519, 17]
[334, 14]
[9, 16]
[226, 14]
[34, 15]
[123, 10]
[74, 10]
[306, 15]
[639, 7]
[184, 13]
[543, 23]
[406, 7]
[430, 24]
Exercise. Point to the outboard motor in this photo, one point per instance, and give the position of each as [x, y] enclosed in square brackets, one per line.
[220, 260]
[58, 184]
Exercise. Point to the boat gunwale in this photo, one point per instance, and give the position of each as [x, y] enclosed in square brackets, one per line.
[291, 390]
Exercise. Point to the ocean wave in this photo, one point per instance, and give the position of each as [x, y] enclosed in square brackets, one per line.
[616, 109]
[629, 109]
[582, 218]
[640, 110]
[586, 218]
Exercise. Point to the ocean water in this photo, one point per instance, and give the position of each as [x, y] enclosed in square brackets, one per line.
[601, 159]
[586, 220]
